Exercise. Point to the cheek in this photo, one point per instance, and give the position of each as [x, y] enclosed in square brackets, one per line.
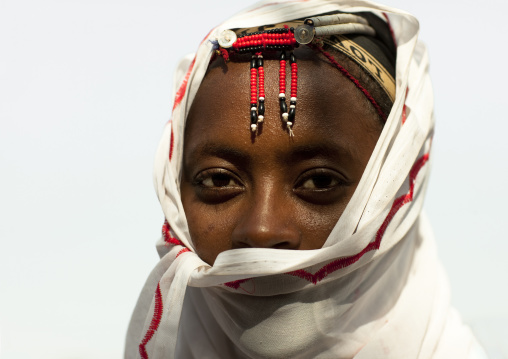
[210, 226]
[316, 223]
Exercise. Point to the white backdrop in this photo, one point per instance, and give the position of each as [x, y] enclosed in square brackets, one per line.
[85, 89]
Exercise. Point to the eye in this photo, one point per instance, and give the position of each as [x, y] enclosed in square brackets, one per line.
[320, 182]
[218, 180]
[217, 185]
[321, 186]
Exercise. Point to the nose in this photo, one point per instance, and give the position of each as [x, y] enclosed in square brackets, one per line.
[267, 222]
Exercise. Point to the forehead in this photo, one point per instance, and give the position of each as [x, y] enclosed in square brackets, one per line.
[330, 109]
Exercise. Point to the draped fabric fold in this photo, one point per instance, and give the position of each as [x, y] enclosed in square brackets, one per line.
[375, 289]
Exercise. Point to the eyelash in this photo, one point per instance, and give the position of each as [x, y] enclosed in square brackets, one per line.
[219, 174]
[209, 188]
[317, 185]
[331, 180]
[320, 193]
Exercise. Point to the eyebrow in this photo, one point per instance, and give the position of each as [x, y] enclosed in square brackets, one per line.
[298, 153]
[230, 154]
[309, 151]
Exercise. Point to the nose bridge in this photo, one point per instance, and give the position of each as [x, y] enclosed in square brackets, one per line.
[266, 222]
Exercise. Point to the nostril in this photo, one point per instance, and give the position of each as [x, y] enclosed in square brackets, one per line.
[248, 235]
[285, 245]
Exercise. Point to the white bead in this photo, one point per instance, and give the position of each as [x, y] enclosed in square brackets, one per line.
[289, 124]
[282, 95]
[227, 38]
[261, 118]
[292, 106]
[285, 116]
[253, 108]
[293, 99]
[261, 98]
[253, 127]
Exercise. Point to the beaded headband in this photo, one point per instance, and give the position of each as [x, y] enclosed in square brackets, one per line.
[315, 32]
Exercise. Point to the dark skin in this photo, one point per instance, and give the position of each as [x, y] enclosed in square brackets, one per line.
[270, 190]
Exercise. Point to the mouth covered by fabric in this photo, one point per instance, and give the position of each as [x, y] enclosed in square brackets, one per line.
[375, 289]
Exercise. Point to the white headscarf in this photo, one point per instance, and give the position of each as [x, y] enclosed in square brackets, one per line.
[375, 289]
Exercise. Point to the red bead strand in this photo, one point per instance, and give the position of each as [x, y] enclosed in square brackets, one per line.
[294, 79]
[265, 39]
[282, 77]
[261, 73]
[253, 86]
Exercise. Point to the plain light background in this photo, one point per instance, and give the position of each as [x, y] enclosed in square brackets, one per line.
[85, 89]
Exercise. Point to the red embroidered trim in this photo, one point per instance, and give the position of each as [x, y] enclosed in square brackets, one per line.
[171, 144]
[168, 238]
[352, 79]
[236, 283]
[404, 109]
[183, 251]
[183, 87]
[402, 200]
[347, 261]
[154, 325]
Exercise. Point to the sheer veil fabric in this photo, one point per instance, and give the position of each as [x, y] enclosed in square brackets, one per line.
[375, 289]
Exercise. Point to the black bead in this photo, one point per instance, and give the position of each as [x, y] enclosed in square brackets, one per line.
[261, 108]
[292, 58]
[283, 55]
[283, 106]
[260, 62]
[291, 115]
[253, 117]
[253, 63]
[293, 103]
[292, 29]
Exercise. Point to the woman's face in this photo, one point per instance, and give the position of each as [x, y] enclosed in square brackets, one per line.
[270, 190]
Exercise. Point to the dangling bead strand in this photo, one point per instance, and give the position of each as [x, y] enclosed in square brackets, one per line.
[261, 76]
[282, 87]
[294, 83]
[253, 94]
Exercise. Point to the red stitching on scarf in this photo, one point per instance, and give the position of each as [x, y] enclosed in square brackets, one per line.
[404, 109]
[236, 283]
[352, 79]
[171, 143]
[347, 261]
[154, 325]
[168, 238]
[182, 251]
[183, 87]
